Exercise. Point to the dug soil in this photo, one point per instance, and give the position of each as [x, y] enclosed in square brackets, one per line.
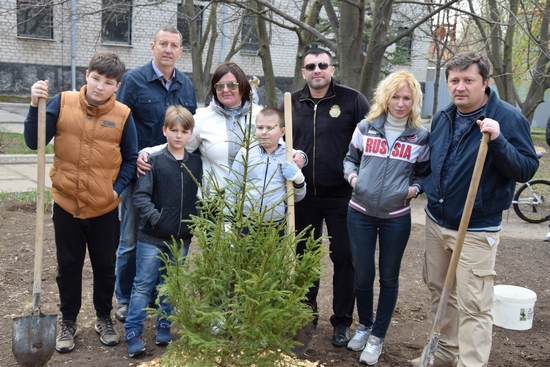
[522, 260]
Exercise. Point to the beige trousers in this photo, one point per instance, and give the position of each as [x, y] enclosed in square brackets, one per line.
[467, 325]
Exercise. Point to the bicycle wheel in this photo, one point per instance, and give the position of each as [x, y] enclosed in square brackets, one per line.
[532, 201]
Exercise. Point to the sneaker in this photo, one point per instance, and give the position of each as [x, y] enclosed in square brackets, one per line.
[163, 333]
[64, 342]
[107, 333]
[121, 312]
[547, 237]
[360, 338]
[135, 344]
[372, 351]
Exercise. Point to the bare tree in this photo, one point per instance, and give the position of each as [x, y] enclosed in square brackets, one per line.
[499, 31]
[197, 46]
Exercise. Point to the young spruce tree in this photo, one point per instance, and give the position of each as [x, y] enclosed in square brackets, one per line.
[239, 298]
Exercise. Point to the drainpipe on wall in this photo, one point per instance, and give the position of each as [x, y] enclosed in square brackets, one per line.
[73, 45]
[224, 19]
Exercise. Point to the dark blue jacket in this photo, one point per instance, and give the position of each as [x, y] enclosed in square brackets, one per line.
[144, 93]
[166, 195]
[510, 157]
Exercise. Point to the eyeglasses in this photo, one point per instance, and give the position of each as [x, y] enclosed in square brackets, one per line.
[321, 65]
[230, 85]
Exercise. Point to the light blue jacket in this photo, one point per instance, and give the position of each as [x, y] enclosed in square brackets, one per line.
[264, 184]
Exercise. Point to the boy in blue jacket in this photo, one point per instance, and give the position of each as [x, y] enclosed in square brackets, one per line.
[164, 197]
[268, 169]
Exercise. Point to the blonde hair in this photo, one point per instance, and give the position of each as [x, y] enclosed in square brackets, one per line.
[272, 111]
[388, 87]
[179, 115]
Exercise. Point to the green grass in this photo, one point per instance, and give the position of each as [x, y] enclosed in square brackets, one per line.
[26, 197]
[13, 143]
[15, 99]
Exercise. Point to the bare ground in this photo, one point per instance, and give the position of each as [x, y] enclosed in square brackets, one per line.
[522, 260]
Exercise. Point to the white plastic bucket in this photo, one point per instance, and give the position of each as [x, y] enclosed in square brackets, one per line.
[513, 307]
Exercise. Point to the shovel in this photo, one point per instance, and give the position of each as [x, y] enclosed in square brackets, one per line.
[427, 354]
[33, 341]
[305, 334]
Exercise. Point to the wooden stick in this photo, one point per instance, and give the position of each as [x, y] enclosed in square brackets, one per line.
[288, 144]
[430, 348]
[41, 182]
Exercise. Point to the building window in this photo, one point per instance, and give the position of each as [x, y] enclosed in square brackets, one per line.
[404, 45]
[116, 21]
[183, 24]
[249, 35]
[35, 19]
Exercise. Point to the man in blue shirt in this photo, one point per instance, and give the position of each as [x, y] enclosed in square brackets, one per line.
[148, 91]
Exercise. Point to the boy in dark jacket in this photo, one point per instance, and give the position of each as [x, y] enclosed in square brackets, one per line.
[164, 197]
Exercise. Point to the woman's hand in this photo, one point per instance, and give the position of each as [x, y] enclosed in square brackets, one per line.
[412, 192]
[142, 165]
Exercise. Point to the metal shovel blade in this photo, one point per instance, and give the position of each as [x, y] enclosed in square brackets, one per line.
[304, 336]
[33, 341]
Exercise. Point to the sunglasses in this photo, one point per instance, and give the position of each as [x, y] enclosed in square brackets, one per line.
[230, 85]
[321, 65]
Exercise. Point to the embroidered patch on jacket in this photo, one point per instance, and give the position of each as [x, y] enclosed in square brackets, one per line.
[108, 123]
[335, 111]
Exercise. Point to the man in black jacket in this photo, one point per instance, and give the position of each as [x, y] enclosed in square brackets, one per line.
[324, 116]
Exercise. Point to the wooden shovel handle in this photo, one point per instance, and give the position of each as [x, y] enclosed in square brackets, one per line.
[288, 144]
[41, 182]
[455, 257]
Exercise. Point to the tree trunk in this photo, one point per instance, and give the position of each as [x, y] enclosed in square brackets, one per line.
[201, 73]
[350, 43]
[370, 75]
[265, 54]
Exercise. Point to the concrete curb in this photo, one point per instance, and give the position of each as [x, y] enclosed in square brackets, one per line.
[23, 158]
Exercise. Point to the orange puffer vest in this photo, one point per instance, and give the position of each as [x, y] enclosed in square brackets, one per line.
[87, 154]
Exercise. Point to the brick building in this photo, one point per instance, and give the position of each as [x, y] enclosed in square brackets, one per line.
[38, 40]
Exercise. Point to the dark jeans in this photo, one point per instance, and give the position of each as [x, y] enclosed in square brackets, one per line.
[126, 258]
[72, 236]
[333, 210]
[392, 234]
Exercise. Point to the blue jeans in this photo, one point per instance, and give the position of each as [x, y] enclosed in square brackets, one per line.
[126, 256]
[147, 271]
[392, 234]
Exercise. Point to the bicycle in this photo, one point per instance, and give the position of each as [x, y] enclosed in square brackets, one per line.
[532, 201]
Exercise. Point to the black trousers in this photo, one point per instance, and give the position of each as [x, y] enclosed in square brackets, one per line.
[72, 236]
[333, 210]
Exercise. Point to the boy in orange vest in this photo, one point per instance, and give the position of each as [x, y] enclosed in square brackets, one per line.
[95, 158]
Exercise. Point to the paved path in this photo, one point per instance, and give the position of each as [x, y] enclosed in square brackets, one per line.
[18, 173]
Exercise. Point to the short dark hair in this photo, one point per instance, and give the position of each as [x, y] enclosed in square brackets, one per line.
[317, 51]
[231, 67]
[179, 115]
[169, 29]
[464, 60]
[272, 111]
[108, 64]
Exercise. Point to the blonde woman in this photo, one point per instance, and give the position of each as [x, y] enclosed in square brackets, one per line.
[385, 165]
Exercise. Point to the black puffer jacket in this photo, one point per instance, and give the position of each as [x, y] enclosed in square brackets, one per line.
[166, 195]
[323, 130]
